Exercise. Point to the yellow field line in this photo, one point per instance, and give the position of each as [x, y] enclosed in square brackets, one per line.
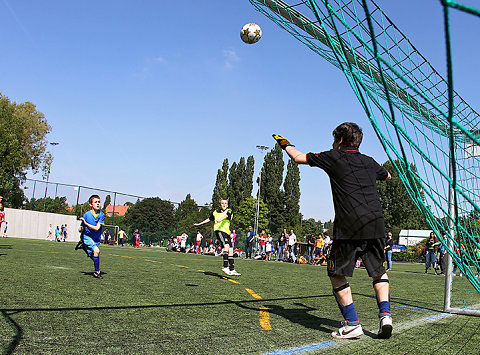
[154, 261]
[253, 294]
[186, 267]
[265, 319]
[264, 314]
[235, 282]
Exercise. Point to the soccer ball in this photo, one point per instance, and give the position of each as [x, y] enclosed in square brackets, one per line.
[251, 33]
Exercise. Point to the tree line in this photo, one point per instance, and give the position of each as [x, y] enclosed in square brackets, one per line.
[23, 148]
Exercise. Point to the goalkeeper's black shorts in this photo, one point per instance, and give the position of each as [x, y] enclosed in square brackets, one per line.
[345, 253]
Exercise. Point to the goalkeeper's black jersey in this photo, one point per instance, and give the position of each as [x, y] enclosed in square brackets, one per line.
[358, 211]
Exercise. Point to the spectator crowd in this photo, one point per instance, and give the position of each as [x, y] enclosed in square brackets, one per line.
[263, 246]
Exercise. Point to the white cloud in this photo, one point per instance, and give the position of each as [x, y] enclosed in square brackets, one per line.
[148, 65]
[159, 59]
[231, 58]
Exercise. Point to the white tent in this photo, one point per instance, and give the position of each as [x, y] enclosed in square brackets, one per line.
[412, 236]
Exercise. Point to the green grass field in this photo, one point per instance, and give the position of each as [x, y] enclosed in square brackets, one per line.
[155, 302]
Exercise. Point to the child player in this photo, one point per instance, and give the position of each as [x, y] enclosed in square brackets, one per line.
[221, 219]
[92, 222]
[358, 229]
[2, 212]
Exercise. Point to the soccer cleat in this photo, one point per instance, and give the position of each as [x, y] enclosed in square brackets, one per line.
[234, 273]
[348, 331]
[226, 270]
[386, 328]
[79, 245]
[98, 275]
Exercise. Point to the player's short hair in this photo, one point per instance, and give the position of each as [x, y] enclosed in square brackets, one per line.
[90, 199]
[222, 199]
[350, 133]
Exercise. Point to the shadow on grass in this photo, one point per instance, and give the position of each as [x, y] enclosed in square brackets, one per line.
[173, 305]
[300, 315]
[18, 333]
[91, 273]
[297, 315]
[5, 246]
[214, 274]
[407, 303]
[415, 272]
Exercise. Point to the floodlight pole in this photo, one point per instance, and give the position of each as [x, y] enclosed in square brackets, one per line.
[48, 177]
[262, 148]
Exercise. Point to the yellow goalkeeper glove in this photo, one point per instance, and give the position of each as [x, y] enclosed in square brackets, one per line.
[282, 141]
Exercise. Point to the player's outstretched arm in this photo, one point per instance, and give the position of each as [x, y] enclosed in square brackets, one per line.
[202, 222]
[91, 226]
[297, 156]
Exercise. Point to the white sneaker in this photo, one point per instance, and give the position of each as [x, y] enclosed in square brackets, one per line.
[386, 328]
[226, 270]
[235, 273]
[348, 331]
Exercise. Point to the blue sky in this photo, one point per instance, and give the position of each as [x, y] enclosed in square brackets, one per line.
[137, 92]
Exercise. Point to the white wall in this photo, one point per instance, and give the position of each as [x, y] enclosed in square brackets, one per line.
[34, 225]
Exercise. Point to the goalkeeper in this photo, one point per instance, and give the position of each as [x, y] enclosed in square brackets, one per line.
[358, 229]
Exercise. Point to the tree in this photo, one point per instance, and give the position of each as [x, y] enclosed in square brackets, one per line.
[153, 217]
[311, 226]
[80, 209]
[220, 189]
[234, 188]
[108, 199]
[291, 187]
[23, 143]
[240, 182]
[248, 177]
[398, 208]
[187, 214]
[57, 205]
[272, 177]
[329, 227]
[246, 213]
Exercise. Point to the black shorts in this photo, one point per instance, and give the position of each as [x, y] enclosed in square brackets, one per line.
[223, 237]
[345, 253]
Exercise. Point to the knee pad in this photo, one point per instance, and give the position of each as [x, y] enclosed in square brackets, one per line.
[338, 289]
[343, 287]
[379, 281]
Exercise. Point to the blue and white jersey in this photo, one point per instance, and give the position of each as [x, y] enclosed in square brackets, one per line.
[93, 219]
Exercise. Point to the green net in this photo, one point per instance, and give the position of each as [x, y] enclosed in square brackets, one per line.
[428, 131]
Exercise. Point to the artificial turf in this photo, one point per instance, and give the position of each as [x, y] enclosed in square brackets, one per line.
[155, 302]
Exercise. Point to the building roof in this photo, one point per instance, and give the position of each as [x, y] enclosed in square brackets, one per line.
[120, 210]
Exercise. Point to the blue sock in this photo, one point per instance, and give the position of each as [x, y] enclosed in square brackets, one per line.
[96, 263]
[350, 314]
[384, 309]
